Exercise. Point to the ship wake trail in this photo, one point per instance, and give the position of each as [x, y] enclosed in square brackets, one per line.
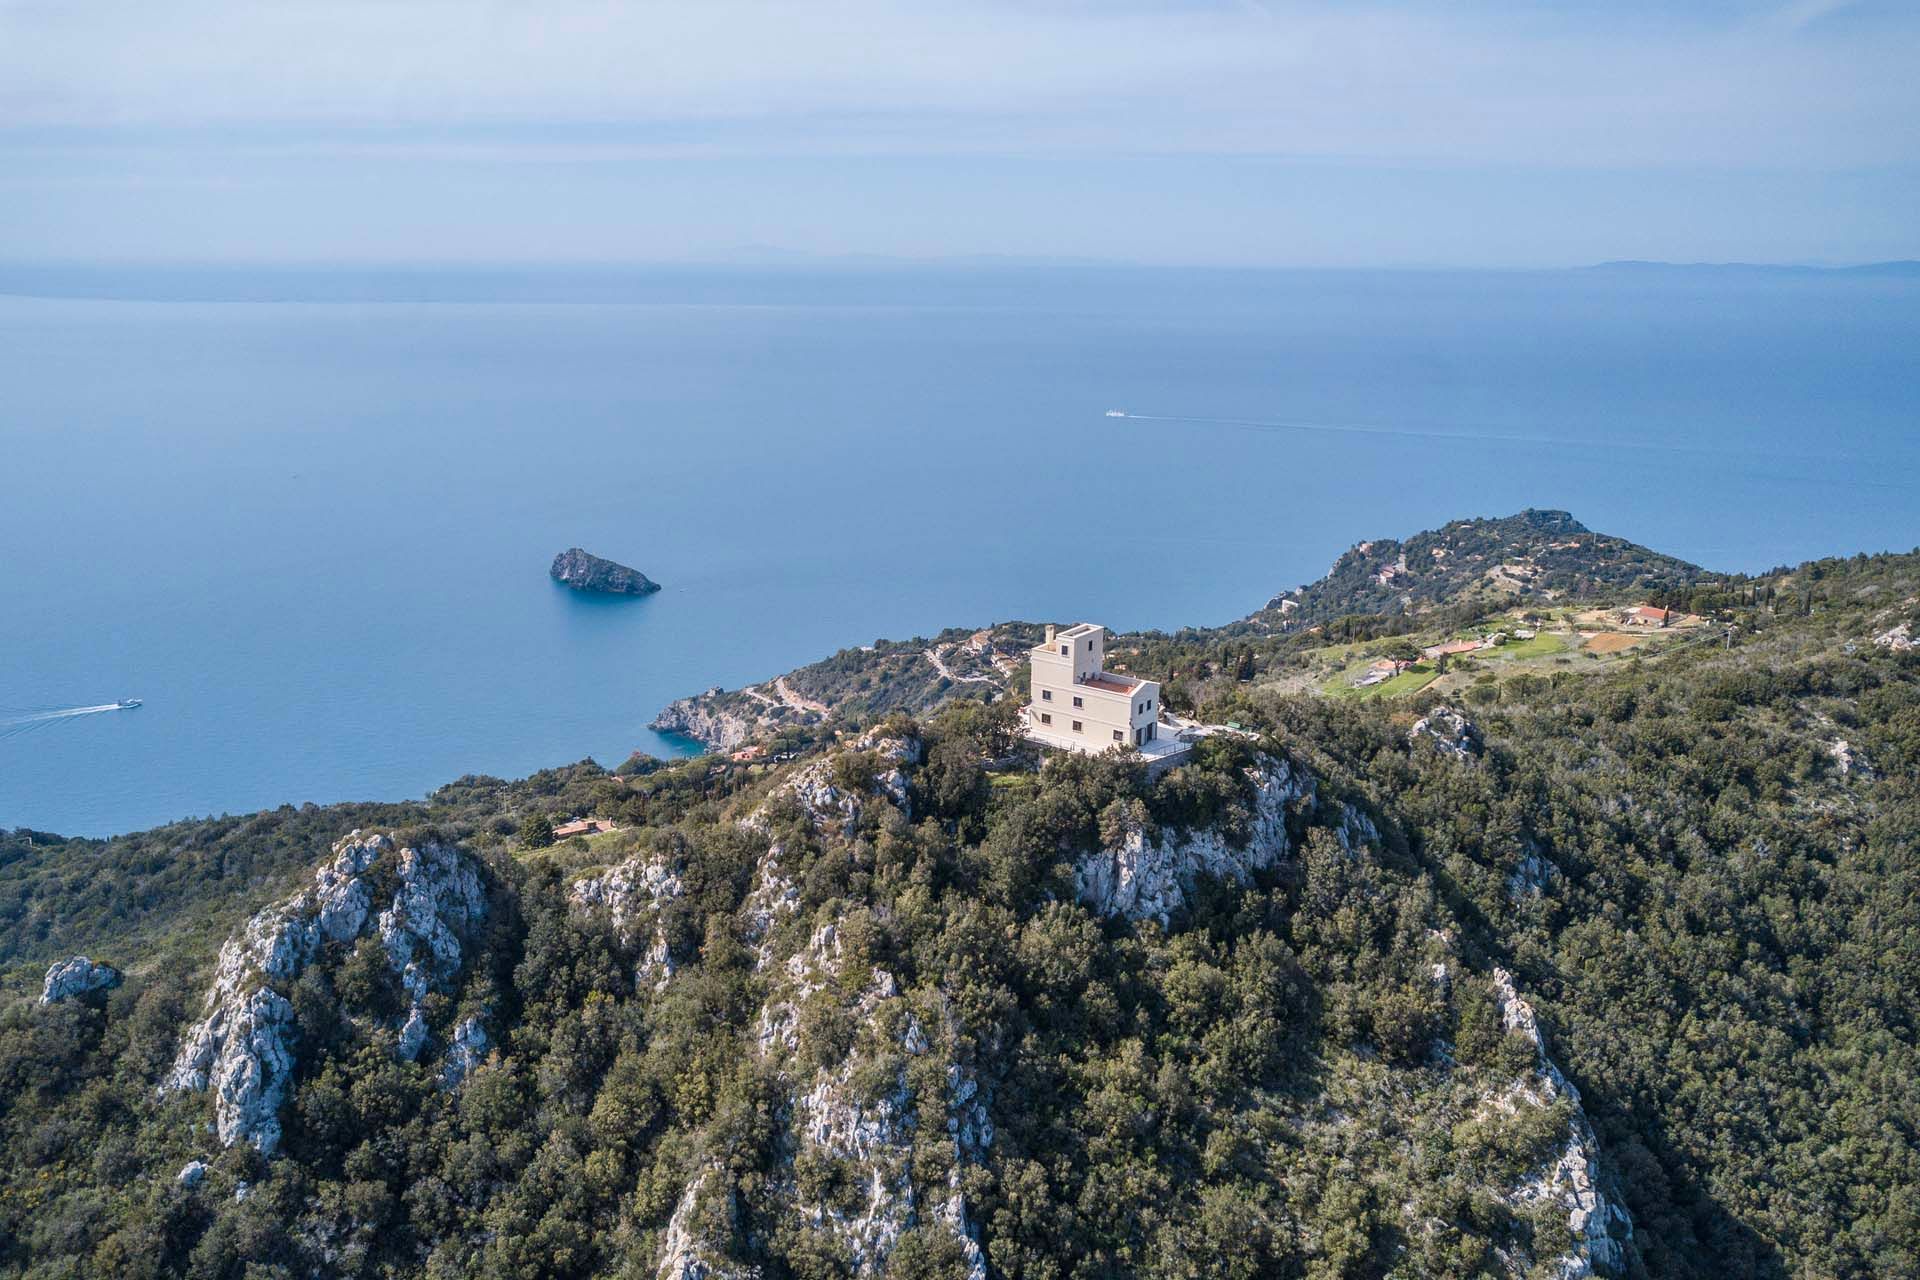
[12, 725]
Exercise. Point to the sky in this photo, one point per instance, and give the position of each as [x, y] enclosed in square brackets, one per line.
[1245, 132]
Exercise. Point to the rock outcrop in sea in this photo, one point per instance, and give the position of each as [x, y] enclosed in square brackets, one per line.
[584, 572]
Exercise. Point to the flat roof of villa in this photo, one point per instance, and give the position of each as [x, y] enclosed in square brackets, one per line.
[1111, 683]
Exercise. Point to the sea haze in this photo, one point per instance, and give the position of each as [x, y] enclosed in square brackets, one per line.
[314, 535]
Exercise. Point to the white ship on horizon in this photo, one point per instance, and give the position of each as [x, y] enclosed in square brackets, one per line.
[1116, 413]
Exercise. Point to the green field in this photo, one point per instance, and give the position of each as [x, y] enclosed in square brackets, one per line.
[1340, 685]
[1539, 647]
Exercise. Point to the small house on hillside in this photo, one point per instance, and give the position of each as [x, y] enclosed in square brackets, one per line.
[1645, 615]
[1450, 648]
[581, 827]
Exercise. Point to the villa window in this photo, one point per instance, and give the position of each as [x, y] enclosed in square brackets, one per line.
[1117, 736]
[1078, 703]
[1065, 651]
[1045, 718]
[1046, 695]
[1076, 726]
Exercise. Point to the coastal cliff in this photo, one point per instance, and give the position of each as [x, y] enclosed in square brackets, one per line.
[585, 572]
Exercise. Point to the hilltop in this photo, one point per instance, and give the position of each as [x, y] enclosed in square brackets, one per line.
[1536, 556]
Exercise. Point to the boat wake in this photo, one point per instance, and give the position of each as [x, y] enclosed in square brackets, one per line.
[13, 724]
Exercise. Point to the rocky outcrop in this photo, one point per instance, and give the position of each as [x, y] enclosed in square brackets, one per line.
[584, 572]
[76, 977]
[1601, 1227]
[467, 1050]
[1144, 878]
[243, 1047]
[690, 1252]
[868, 1137]
[632, 894]
[1533, 876]
[710, 720]
[1898, 639]
[829, 801]
[1850, 760]
[1450, 732]
[192, 1174]
[861, 1113]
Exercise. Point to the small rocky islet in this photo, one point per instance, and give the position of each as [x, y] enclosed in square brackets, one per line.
[584, 572]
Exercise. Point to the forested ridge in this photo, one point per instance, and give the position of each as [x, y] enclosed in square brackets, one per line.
[858, 1011]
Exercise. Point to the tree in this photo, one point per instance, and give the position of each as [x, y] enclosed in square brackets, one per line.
[536, 830]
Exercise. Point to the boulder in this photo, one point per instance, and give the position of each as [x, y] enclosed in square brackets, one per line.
[1450, 732]
[77, 976]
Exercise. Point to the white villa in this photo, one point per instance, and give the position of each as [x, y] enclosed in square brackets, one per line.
[1077, 705]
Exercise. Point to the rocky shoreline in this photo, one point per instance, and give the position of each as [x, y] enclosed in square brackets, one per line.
[713, 723]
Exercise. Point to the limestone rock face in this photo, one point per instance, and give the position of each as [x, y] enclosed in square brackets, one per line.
[243, 1047]
[1149, 879]
[690, 1253]
[192, 1174]
[859, 1114]
[584, 572]
[1450, 732]
[1600, 1225]
[632, 894]
[716, 727]
[77, 976]
[468, 1050]
[828, 805]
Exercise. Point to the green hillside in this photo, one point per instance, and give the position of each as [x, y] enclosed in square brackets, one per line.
[910, 1001]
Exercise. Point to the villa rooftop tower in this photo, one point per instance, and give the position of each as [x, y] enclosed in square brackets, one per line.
[1078, 705]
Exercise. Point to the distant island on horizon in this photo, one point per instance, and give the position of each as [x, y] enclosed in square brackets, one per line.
[615, 281]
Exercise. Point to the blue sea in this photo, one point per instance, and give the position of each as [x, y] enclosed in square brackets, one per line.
[307, 516]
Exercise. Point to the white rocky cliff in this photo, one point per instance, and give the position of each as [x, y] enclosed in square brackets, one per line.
[632, 894]
[835, 1116]
[1571, 1183]
[1149, 879]
[243, 1048]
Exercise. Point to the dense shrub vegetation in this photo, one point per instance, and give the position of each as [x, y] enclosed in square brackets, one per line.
[1717, 922]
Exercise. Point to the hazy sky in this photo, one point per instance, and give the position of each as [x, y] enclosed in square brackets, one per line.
[1463, 132]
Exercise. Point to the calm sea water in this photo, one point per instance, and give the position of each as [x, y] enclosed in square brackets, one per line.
[314, 536]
